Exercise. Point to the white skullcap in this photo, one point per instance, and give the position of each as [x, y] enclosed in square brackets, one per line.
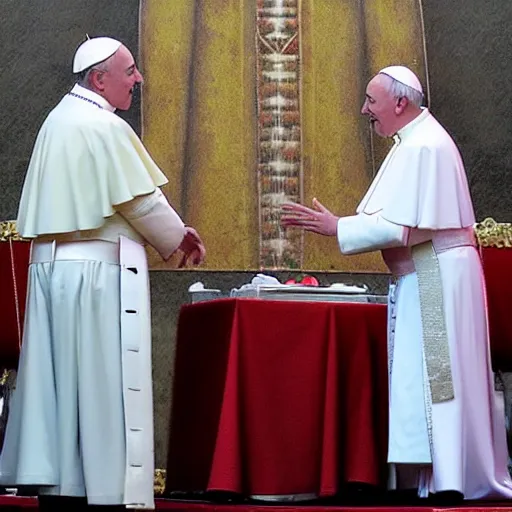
[403, 75]
[94, 51]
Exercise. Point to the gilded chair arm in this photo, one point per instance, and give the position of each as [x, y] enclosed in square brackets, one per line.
[159, 482]
[490, 233]
[8, 231]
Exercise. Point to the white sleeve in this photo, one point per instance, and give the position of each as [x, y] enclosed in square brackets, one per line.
[153, 217]
[365, 233]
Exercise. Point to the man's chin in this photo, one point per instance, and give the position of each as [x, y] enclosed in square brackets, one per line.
[377, 129]
[125, 106]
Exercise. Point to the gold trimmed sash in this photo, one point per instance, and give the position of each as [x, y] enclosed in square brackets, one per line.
[435, 337]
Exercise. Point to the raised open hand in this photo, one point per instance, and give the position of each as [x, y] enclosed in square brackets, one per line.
[317, 219]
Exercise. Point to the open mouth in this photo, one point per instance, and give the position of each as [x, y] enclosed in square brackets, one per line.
[135, 88]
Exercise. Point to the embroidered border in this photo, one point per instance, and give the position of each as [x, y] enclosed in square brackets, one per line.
[279, 129]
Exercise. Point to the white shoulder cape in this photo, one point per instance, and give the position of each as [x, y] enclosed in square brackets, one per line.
[85, 161]
[422, 182]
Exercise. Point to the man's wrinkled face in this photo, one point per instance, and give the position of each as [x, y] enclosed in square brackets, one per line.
[380, 106]
[120, 79]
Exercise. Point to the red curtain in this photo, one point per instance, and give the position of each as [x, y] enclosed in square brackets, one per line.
[497, 263]
[14, 258]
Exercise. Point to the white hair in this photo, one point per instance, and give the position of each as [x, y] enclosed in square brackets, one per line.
[399, 90]
[85, 75]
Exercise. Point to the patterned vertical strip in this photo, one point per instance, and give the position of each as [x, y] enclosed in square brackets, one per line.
[279, 129]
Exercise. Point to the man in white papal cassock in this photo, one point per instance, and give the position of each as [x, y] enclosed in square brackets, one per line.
[446, 422]
[81, 418]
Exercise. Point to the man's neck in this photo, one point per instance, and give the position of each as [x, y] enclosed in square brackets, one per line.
[408, 117]
[91, 94]
[90, 88]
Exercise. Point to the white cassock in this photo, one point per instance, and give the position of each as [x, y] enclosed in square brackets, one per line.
[81, 418]
[446, 422]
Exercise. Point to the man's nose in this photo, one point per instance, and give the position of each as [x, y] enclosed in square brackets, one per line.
[364, 108]
[138, 77]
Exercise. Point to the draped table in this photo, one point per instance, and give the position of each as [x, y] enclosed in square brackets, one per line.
[279, 398]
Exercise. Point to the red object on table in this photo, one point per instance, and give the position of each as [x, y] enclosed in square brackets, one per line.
[277, 397]
[14, 259]
[497, 264]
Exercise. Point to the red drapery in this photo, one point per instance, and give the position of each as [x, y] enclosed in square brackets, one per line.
[275, 397]
[14, 258]
[497, 265]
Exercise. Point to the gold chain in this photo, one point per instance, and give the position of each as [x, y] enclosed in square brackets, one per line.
[16, 299]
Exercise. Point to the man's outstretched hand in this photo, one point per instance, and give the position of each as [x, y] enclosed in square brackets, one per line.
[317, 219]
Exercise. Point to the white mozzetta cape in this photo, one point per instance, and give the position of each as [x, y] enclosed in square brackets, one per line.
[421, 183]
[85, 161]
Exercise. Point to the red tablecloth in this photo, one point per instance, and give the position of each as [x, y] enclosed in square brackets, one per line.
[278, 398]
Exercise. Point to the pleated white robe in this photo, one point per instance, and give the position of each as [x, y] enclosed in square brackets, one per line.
[81, 419]
[71, 356]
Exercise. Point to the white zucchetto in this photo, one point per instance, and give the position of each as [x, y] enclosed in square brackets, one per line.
[93, 51]
[403, 75]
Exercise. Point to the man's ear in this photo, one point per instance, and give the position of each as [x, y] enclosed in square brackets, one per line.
[96, 79]
[401, 105]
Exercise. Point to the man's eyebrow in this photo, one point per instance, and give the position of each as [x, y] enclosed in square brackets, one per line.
[368, 96]
[131, 67]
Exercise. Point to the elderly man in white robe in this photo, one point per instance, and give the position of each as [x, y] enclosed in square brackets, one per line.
[81, 426]
[446, 422]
